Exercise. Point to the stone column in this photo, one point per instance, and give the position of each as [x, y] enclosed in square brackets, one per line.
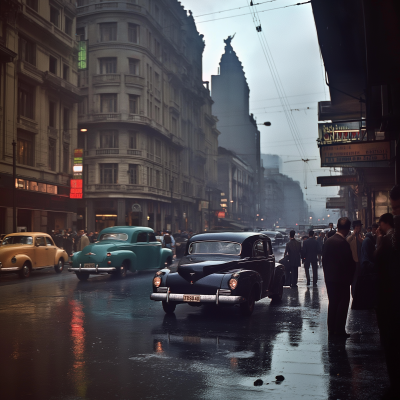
[162, 211]
[121, 212]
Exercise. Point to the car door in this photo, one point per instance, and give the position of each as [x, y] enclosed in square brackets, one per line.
[154, 250]
[270, 262]
[40, 252]
[262, 263]
[51, 251]
[141, 249]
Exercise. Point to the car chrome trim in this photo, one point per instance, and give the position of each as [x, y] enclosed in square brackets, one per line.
[204, 298]
[93, 270]
[10, 269]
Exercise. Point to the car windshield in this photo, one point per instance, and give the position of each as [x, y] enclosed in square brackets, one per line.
[17, 240]
[114, 236]
[215, 247]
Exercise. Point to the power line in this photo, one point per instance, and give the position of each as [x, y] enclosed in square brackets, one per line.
[277, 98]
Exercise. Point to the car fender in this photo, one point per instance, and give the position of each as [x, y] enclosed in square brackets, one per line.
[163, 273]
[165, 253]
[279, 274]
[119, 256]
[60, 254]
[246, 280]
[20, 261]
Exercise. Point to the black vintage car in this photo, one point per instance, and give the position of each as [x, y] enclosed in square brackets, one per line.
[224, 268]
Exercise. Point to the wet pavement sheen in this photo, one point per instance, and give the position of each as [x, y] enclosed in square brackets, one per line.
[101, 339]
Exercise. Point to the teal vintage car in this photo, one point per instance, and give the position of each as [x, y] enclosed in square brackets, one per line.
[120, 249]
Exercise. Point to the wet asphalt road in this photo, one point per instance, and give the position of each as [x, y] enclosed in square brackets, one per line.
[104, 339]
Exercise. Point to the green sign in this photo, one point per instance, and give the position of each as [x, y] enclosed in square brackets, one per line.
[82, 54]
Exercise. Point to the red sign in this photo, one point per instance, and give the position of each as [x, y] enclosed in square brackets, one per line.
[78, 153]
[221, 214]
[76, 189]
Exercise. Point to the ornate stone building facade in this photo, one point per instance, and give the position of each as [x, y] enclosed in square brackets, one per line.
[145, 121]
[38, 112]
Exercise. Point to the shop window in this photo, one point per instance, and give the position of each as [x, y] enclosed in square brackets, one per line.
[54, 16]
[108, 65]
[27, 50]
[133, 174]
[133, 104]
[108, 173]
[108, 139]
[134, 66]
[133, 33]
[53, 65]
[26, 94]
[108, 103]
[52, 154]
[25, 148]
[108, 32]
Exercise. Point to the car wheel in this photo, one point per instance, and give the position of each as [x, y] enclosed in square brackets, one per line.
[82, 276]
[121, 273]
[247, 307]
[25, 271]
[169, 308]
[278, 296]
[60, 266]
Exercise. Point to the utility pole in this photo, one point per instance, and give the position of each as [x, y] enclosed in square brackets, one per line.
[14, 144]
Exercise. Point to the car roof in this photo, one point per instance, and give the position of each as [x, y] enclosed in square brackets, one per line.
[126, 229]
[27, 234]
[228, 236]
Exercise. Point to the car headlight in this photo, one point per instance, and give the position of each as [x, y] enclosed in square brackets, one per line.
[156, 281]
[233, 283]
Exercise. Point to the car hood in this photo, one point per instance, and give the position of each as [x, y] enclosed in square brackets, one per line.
[195, 271]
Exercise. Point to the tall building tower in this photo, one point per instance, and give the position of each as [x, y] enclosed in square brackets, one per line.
[239, 132]
[146, 126]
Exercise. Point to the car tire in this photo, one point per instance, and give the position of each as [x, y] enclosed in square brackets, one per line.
[247, 307]
[82, 276]
[121, 273]
[59, 267]
[276, 297]
[25, 271]
[169, 308]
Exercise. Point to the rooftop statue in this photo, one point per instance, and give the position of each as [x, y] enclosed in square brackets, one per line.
[229, 40]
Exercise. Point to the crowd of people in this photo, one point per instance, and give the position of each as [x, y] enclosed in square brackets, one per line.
[364, 267]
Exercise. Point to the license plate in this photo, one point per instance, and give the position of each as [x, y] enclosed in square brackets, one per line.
[191, 298]
[88, 265]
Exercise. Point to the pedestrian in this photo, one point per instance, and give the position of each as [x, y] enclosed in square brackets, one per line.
[388, 262]
[339, 268]
[332, 231]
[81, 241]
[355, 240]
[310, 254]
[320, 241]
[68, 242]
[293, 252]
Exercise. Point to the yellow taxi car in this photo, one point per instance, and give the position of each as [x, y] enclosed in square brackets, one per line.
[27, 251]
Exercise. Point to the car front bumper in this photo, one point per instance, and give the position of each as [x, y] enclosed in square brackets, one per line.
[204, 298]
[92, 270]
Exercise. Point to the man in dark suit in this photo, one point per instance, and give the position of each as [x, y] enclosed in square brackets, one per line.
[293, 251]
[310, 254]
[332, 231]
[339, 268]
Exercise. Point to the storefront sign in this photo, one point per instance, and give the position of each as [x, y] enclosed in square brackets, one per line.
[363, 154]
[340, 133]
[82, 54]
[76, 184]
[338, 180]
[76, 189]
[335, 202]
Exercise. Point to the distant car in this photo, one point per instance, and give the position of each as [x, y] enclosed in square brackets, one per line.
[275, 236]
[120, 249]
[224, 268]
[25, 252]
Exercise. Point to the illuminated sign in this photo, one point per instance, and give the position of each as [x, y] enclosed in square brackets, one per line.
[76, 190]
[340, 132]
[362, 154]
[82, 54]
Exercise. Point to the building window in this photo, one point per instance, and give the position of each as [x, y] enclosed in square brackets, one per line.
[158, 150]
[52, 154]
[133, 104]
[82, 106]
[66, 158]
[53, 65]
[133, 33]
[108, 103]
[25, 148]
[132, 140]
[32, 4]
[65, 72]
[149, 176]
[54, 16]
[158, 179]
[157, 113]
[27, 50]
[108, 173]
[133, 174]
[108, 32]
[108, 65]
[157, 49]
[134, 66]
[66, 119]
[26, 100]
[68, 26]
[174, 126]
[52, 114]
[80, 34]
[108, 139]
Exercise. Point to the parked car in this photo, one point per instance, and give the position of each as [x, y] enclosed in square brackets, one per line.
[24, 252]
[120, 249]
[223, 268]
[275, 236]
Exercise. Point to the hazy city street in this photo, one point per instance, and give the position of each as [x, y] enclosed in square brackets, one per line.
[104, 338]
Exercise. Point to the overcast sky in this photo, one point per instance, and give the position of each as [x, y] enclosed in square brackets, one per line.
[292, 39]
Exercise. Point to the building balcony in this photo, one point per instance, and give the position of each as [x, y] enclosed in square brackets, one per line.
[27, 124]
[174, 106]
[139, 118]
[134, 80]
[101, 152]
[61, 86]
[110, 5]
[134, 152]
[106, 79]
[108, 187]
[107, 117]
